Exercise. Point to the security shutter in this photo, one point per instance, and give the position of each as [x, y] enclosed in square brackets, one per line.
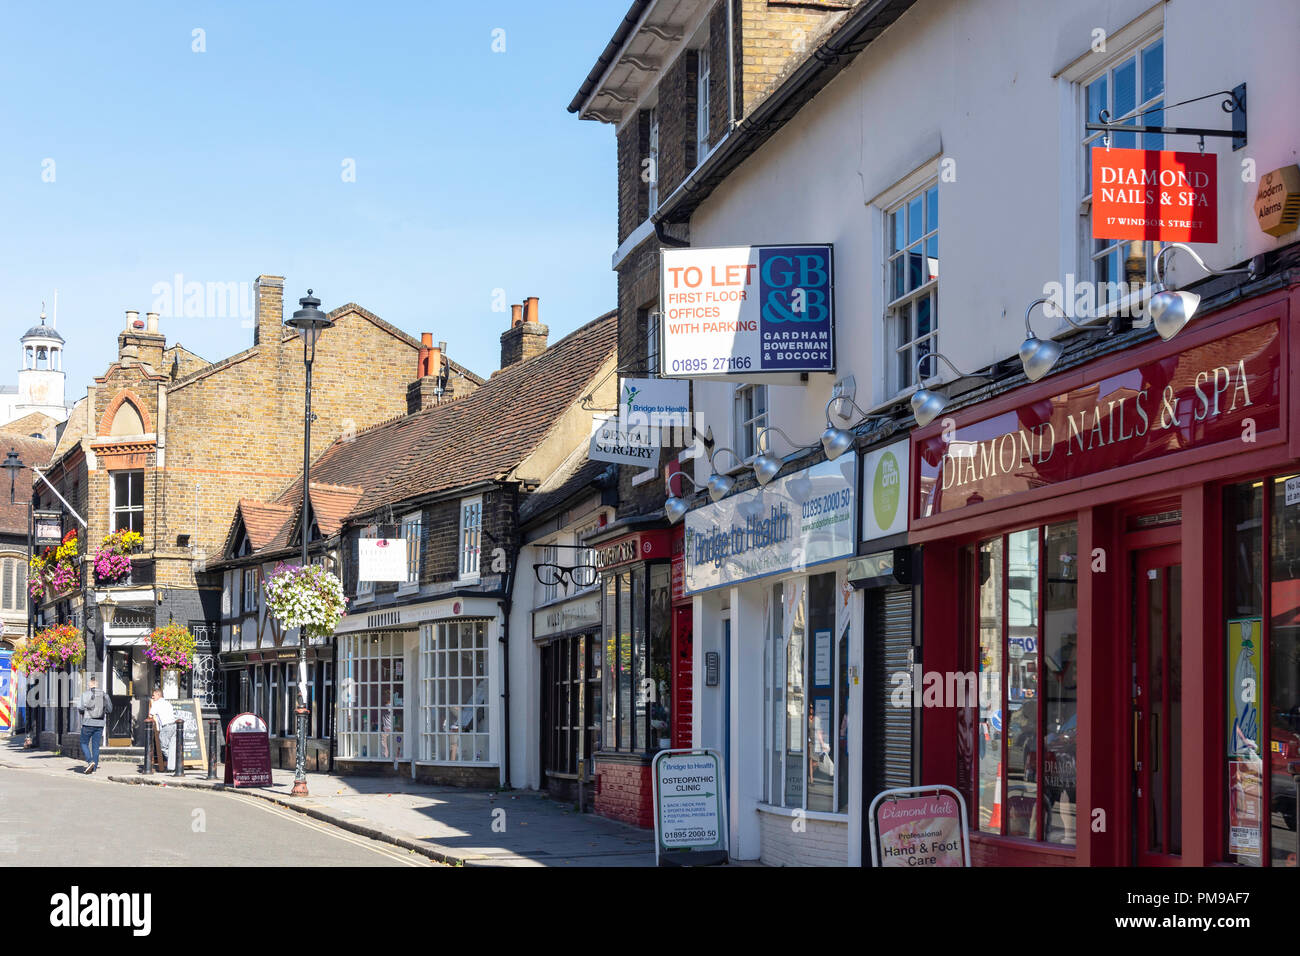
[890, 642]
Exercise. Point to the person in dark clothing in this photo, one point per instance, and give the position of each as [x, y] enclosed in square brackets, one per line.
[94, 706]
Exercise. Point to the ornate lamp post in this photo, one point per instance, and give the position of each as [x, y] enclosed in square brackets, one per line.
[310, 322]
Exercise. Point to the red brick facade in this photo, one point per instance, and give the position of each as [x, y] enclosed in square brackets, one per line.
[623, 792]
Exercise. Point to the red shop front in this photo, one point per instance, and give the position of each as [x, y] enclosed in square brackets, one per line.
[1118, 681]
[646, 664]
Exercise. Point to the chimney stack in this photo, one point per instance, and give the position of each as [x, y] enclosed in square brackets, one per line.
[430, 386]
[141, 341]
[422, 360]
[526, 337]
[268, 300]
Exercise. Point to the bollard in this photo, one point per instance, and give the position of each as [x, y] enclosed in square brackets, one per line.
[212, 750]
[148, 745]
[178, 747]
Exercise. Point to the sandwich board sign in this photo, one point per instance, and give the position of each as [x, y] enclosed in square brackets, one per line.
[919, 827]
[689, 807]
[248, 752]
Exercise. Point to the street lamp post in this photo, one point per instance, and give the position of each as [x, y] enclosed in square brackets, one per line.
[310, 322]
[14, 464]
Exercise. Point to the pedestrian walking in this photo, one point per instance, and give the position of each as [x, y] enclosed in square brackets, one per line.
[164, 718]
[94, 706]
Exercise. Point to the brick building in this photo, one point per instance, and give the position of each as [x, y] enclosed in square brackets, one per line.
[676, 81]
[415, 680]
[166, 444]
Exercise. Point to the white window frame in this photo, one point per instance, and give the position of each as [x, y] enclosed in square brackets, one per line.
[251, 598]
[14, 571]
[652, 342]
[469, 542]
[411, 533]
[1089, 256]
[907, 305]
[443, 692]
[702, 105]
[653, 194]
[129, 509]
[745, 423]
[365, 589]
[361, 692]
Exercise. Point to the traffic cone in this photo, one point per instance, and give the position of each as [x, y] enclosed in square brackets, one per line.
[995, 821]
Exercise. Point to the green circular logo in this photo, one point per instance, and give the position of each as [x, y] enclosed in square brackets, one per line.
[885, 490]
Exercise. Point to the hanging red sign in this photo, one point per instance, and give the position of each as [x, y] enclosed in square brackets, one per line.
[1154, 194]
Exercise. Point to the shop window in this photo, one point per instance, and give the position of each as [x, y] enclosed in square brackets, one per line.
[637, 658]
[1131, 89]
[1262, 664]
[806, 696]
[454, 672]
[370, 713]
[912, 277]
[1025, 642]
[128, 501]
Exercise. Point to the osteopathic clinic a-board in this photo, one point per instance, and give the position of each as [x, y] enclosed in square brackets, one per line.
[767, 572]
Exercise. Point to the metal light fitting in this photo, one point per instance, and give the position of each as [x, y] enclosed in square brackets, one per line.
[927, 404]
[310, 322]
[719, 485]
[1039, 355]
[1172, 309]
[766, 465]
[675, 507]
[836, 441]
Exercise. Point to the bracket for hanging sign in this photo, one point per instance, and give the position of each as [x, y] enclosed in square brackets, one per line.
[1234, 105]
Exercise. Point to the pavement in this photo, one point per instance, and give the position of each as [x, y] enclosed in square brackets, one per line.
[516, 828]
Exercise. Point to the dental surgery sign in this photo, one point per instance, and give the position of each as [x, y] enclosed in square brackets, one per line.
[743, 311]
[790, 524]
[1154, 194]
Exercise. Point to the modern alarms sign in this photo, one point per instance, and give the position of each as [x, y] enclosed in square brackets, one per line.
[742, 311]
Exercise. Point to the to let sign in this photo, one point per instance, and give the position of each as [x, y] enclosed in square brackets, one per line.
[1154, 194]
[741, 311]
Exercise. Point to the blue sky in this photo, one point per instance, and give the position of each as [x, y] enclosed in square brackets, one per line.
[470, 175]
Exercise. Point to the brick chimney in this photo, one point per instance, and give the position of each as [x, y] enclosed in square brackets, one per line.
[141, 341]
[268, 299]
[429, 378]
[526, 337]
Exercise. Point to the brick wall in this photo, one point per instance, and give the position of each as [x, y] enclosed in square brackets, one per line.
[818, 843]
[623, 792]
[719, 105]
[773, 37]
[676, 109]
[633, 191]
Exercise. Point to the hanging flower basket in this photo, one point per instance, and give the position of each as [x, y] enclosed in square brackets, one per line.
[111, 561]
[171, 646]
[50, 647]
[310, 598]
[54, 570]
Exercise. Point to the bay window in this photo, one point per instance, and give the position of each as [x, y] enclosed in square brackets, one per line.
[1024, 649]
[454, 678]
[371, 710]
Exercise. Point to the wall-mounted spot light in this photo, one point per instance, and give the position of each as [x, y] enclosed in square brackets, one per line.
[927, 404]
[1172, 309]
[1039, 355]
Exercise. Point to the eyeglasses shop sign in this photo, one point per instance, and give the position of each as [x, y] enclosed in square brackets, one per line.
[745, 310]
[792, 523]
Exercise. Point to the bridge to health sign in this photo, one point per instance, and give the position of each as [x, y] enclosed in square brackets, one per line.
[689, 802]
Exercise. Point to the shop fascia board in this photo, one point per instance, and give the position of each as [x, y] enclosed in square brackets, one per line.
[423, 612]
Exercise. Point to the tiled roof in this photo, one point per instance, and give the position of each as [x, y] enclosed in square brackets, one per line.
[480, 437]
[32, 451]
[264, 522]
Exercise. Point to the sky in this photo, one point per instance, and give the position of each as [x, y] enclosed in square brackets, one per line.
[381, 153]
